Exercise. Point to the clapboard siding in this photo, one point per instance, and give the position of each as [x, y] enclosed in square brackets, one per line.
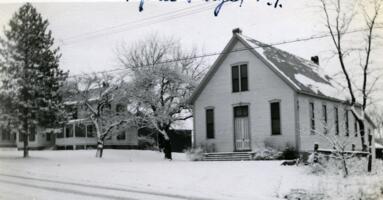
[308, 140]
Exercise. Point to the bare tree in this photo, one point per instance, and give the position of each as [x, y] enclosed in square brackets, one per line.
[335, 142]
[163, 78]
[339, 16]
[97, 93]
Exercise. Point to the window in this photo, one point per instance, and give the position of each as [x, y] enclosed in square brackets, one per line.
[69, 131]
[60, 134]
[32, 133]
[120, 108]
[210, 123]
[241, 111]
[239, 77]
[107, 107]
[121, 135]
[90, 130]
[275, 118]
[324, 118]
[21, 137]
[346, 122]
[72, 111]
[5, 134]
[356, 127]
[48, 135]
[353, 147]
[312, 117]
[80, 130]
[336, 118]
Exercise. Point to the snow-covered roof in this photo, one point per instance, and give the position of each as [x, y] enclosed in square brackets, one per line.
[74, 99]
[302, 75]
[378, 146]
[305, 75]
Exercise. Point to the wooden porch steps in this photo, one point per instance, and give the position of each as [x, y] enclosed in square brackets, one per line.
[227, 156]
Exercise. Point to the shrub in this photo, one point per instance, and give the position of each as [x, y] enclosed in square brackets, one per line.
[289, 153]
[194, 154]
[146, 143]
[267, 154]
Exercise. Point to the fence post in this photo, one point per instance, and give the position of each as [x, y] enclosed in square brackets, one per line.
[316, 159]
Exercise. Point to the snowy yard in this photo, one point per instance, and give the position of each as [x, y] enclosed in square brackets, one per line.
[133, 174]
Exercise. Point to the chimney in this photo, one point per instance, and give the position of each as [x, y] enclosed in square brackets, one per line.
[315, 59]
[237, 31]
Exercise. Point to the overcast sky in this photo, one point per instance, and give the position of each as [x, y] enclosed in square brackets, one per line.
[88, 33]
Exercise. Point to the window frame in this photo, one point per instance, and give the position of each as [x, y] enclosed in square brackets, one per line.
[48, 136]
[325, 118]
[32, 134]
[346, 123]
[80, 127]
[210, 134]
[336, 120]
[120, 108]
[121, 136]
[312, 116]
[90, 134]
[70, 127]
[278, 101]
[5, 134]
[61, 133]
[242, 81]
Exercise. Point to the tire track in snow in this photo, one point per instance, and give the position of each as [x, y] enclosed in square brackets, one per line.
[65, 190]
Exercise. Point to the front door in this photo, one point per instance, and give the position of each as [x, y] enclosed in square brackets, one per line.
[241, 128]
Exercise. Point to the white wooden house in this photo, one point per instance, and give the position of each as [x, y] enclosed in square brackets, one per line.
[77, 133]
[256, 95]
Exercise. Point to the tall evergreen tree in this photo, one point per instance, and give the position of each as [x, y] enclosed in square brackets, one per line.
[30, 75]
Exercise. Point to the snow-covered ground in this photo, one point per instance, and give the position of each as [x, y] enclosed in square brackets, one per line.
[134, 174]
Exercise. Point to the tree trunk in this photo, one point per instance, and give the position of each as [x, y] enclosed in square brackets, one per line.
[362, 133]
[25, 147]
[167, 149]
[344, 165]
[100, 147]
[25, 140]
[166, 142]
[364, 146]
[369, 164]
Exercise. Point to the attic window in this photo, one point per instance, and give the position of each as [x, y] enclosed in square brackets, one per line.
[239, 78]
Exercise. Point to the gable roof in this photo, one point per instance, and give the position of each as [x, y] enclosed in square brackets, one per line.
[300, 74]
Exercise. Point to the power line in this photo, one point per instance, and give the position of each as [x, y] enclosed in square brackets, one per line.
[138, 23]
[313, 37]
[130, 22]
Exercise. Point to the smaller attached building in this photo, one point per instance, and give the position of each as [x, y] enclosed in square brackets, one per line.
[80, 133]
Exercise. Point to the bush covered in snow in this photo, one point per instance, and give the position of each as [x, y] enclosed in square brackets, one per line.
[267, 154]
[146, 143]
[359, 185]
[367, 187]
[289, 153]
[194, 154]
[333, 166]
